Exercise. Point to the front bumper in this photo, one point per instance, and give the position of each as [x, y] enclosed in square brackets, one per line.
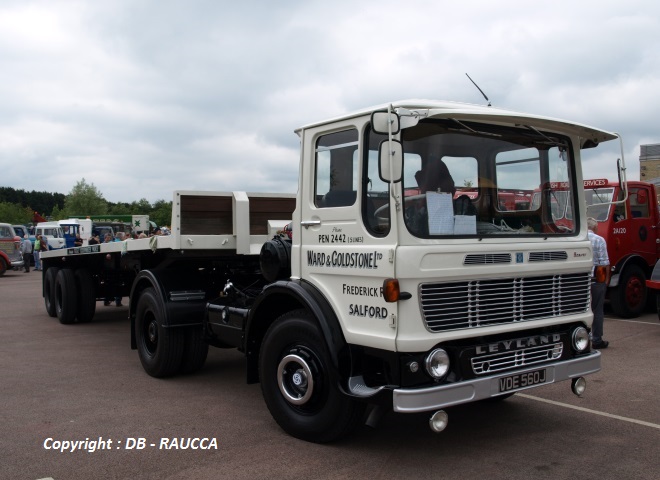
[407, 400]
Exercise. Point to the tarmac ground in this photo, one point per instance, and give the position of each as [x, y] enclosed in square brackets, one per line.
[65, 383]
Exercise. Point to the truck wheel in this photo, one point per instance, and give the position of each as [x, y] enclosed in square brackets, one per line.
[3, 266]
[86, 295]
[628, 299]
[195, 350]
[159, 348]
[66, 300]
[299, 383]
[49, 291]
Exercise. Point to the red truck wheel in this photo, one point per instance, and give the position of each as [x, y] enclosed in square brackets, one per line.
[628, 299]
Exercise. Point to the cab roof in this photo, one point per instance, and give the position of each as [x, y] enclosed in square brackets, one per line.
[446, 109]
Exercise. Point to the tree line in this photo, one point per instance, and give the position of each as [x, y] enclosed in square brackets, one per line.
[19, 206]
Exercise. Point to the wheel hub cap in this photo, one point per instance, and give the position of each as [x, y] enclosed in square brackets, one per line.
[153, 332]
[294, 377]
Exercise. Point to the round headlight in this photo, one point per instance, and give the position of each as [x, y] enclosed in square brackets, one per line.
[580, 339]
[437, 363]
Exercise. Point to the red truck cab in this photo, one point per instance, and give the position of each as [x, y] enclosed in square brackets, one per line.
[10, 245]
[631, 232]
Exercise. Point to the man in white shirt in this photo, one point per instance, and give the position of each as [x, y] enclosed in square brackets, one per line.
[26, 251]
[599, 279]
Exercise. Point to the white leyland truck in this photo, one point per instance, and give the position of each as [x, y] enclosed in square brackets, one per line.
[395, 278]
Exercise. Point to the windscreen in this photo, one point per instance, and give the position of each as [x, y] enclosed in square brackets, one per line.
[471, 179]
[599, 202]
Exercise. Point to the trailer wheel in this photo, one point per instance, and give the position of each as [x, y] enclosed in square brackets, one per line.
[628, 299]
[66, 301]
[86, 295]
[299, 383]
[160, 349]
[195, 350]
[49, 290]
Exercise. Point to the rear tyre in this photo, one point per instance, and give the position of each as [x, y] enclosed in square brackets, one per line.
[66, 301]
[49, 291]
[628, 299]
[86, 295]
[300, 384]
[160, 349]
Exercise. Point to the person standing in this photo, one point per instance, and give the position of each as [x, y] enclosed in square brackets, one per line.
[37, 253]
[600, 273]
[43, 246]
[26, 252]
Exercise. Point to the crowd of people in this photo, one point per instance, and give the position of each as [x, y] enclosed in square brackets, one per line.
[95, 239]
[33, 252]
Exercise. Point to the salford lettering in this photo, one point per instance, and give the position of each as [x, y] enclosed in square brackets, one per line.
[367, 311]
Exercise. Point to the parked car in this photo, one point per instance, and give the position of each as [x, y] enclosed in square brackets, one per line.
[10, 249]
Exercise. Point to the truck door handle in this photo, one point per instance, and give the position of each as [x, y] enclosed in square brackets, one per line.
[310, 223]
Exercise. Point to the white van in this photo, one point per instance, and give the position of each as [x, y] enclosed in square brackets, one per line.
[53, 233]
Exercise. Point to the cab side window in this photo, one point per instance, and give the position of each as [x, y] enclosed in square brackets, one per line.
[375, 192]
[639, 205]
[336, 169]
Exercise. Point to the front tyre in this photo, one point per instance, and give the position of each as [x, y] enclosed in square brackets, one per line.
[160, 349]
[299, 383]
[628, 299]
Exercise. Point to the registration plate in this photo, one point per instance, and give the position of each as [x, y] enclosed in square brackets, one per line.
[522, 380]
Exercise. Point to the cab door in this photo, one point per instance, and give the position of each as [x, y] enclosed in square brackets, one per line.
[345, 250]
[642, 235]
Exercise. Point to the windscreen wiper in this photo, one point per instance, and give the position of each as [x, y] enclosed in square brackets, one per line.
[551, 141]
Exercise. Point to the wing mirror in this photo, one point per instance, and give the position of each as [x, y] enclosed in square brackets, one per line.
[390, 161]
[381, 121]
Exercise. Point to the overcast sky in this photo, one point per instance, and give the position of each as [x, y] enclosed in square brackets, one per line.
[144, 97]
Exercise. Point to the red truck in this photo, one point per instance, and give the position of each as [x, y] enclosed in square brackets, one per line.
[630, 229]
[631, 232]
[10, 249]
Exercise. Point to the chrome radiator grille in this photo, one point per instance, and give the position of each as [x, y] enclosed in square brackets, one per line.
[497, 362]
[480, 303]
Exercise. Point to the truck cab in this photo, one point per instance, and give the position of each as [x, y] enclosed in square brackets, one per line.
[10, 249]
[630, 229]
[469, 266]
[53, 233]
[73, 227]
